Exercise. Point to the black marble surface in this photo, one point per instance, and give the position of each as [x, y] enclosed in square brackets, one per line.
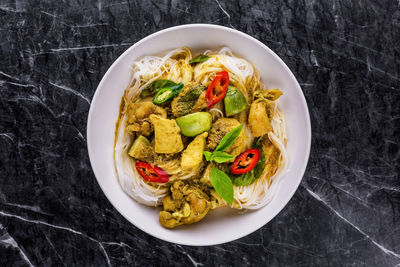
[345, 55]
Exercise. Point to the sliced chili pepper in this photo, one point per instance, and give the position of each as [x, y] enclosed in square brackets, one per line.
[151, 173]
[163, 96]
[217, 89]
[246, 161]
[167, 93]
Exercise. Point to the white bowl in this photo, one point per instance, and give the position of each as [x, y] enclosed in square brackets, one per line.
[222, 225]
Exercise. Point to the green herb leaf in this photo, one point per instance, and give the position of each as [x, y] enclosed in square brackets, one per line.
[198, 59]
[153, 87]
[221, 157]
[207, 155]
[222, 184]
[229, 139]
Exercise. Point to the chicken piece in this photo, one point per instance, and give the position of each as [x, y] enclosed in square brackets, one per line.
[260, 113]
[183, 103]
[167, 135]
[272, 154]
[271, 94]
[138, 117]
[192, 157]
[187, 204]
[219, 129]
[258, 121]
[205, 178]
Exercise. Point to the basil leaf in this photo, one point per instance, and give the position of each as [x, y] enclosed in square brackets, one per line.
[198, 59]
[153, 87]
[250, 177]
[221, 157]
[229, 139]
[207, 155]
[222, 184]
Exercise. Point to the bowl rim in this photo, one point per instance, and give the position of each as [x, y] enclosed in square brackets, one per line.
[244, 35]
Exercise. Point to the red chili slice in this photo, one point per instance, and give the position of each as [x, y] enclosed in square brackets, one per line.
[246, 161]
[151, 173]
[216, 91]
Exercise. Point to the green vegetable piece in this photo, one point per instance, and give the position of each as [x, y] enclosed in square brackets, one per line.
[195, 123]
[217, 156]
[222, 184]
[155, 86]
[162, 96]
[199, 59]
[221, 157]
[166, 94]
[229, 139]
[234, 101]
[140, 147]
[250, 177]
[207, 155]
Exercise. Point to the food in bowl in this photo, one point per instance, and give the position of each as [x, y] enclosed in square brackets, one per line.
[199, 133]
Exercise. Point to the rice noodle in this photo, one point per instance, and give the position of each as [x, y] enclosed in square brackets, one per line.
[175, 66]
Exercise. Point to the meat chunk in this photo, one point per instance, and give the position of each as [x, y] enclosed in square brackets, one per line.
[167, 135]
[271, 94]
[201, 103]
[187, 99]
[272, 154]
[219, 129]
[185, 205]
[192, 157]
[205, 178]
[138, 117]
[260, 114]
[258, 121]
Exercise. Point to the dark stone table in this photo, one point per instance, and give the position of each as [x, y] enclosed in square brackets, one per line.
[345, 55]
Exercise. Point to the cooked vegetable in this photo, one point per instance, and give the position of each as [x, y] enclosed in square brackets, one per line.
[250, 177]
[195, 123]
[141, 149]
[192, 156]
[217, 89]
[246, 161]
[153, 87]
[167, 135]
[167, 93]
[234, 101]
[187, 99]
[222, 184]
[217, 156]
[151, 173]
[198, 59]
